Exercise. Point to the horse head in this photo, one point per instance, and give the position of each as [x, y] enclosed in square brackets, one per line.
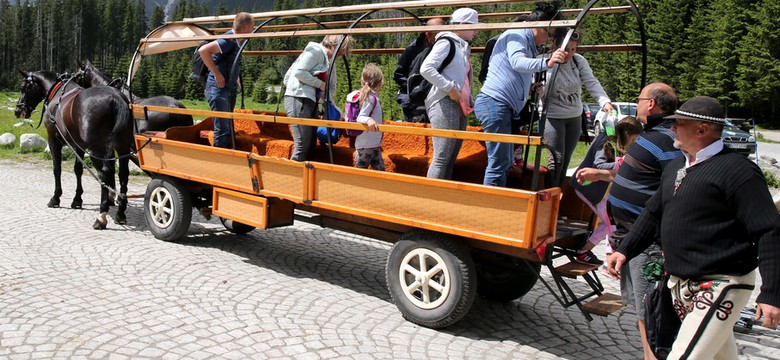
[89, 76]
[35, 86]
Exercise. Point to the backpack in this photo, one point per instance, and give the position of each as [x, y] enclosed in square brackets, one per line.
[352, 110]
[489, 45]
[200, 72]
[416, 85]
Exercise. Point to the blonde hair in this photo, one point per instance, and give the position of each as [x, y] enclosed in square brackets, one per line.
[331, 41]
[243, 19]
[370, 79]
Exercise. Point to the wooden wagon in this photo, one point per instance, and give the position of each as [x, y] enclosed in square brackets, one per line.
[453, 239]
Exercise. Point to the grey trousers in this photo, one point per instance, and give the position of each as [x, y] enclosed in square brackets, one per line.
[562, 135]
[304, 137]
[445, 114]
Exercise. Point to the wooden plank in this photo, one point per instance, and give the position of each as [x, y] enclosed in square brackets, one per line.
[386, 128]
[573, 269]
[351, 9]
[365, 31]
[409, 19]
[604, 305]
[474, 50]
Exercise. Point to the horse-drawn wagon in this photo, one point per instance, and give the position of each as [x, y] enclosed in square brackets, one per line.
[454, 239]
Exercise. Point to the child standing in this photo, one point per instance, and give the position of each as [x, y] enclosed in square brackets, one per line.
[368, 145]
[602, 155]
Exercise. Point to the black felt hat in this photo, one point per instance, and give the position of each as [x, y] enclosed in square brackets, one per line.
[701, 108]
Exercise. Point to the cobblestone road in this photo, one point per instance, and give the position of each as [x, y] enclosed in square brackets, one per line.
[302, 292]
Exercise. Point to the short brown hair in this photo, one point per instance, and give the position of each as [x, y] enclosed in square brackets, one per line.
[243, 19]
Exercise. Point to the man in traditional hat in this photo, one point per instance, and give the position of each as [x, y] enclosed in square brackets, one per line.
[714, 214]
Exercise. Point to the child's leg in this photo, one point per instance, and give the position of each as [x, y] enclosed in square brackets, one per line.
[362, 158]
[377, 162]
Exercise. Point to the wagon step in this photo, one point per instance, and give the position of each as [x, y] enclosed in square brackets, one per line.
[604, 305]
[574, 269]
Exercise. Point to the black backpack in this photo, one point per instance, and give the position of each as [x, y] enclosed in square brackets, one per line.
[200, 72]
[489, 45]
[417, 87]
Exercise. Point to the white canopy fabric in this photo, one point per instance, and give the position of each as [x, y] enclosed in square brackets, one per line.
[177, 31]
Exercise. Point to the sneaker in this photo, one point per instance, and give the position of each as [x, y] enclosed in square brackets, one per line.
[588, 258]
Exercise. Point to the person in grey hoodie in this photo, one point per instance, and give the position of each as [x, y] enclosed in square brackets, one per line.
[449, 102]
[564, 107]
[304, 81]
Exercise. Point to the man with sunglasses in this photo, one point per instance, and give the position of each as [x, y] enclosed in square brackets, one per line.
[636, 181]
[717, 223]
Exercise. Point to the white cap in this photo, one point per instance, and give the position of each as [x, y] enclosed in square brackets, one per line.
[464, 15]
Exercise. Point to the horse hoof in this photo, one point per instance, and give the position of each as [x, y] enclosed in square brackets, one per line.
[99, 225]
[75, 205]
[53, 204]
[121, 219]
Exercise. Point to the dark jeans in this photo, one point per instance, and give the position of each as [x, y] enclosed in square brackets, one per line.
[223, 99]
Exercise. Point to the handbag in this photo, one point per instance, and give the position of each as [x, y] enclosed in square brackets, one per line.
[661, 321]
[330, 112]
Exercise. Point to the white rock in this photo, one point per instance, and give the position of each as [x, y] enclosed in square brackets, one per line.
[32, 141]
[7, 139]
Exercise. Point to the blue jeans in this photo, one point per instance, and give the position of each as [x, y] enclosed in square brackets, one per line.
[496, 117]
[221, 100]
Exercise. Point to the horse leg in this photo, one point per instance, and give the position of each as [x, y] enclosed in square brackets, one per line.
[78, 169]
[124, 174]
[56, 159]
[102, 166]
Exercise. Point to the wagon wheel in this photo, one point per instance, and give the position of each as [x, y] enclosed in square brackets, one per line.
[167, 209]
[506, 283]
[235, 226]
[431, 278]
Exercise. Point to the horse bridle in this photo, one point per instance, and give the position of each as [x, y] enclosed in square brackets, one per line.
[21, 104]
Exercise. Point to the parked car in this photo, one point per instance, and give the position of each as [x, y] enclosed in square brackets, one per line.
[737, 138]
[623, 108]
[590, 110]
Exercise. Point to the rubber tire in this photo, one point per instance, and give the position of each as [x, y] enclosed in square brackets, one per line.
[597, 129]
[462, 275]
[235, 226]
[175, 198]
[502, 283]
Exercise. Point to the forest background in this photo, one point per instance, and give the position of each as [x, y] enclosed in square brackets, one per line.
[728, 49]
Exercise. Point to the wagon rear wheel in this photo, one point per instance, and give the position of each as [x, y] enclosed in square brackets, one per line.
[235, 226]
[167, 208]
[431, 278]
[500, 282]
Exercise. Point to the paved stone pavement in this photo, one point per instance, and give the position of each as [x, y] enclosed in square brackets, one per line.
[301, 292]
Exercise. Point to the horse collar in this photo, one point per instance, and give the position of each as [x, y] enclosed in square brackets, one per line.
[54, 88]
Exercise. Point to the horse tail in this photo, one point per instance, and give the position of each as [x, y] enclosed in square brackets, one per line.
[120, 133]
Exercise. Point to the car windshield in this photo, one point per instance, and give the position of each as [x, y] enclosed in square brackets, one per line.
[628, 109]
[594, 108]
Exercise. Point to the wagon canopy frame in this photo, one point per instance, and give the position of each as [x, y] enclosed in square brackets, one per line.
[191, 32]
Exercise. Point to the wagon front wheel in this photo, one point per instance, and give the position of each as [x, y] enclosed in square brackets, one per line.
[431, 279]
[167, 209]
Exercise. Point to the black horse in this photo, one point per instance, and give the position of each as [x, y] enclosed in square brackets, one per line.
[97, 120]
[157, 121]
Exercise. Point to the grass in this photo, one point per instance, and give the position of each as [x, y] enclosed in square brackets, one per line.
[7, 121]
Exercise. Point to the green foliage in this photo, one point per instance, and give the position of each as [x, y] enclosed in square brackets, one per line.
[728, 49]
[771, 179]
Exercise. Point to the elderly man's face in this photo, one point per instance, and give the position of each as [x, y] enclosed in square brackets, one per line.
[685, 131]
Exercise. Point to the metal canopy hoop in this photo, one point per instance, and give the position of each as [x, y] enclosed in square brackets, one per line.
[190, 32]
[548, 89]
